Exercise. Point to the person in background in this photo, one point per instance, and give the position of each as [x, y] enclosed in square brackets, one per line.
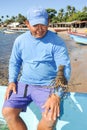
[37, 54]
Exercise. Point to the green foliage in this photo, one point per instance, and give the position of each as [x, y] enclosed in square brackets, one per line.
[54, 20]
[68, 15]
[84, 9]
[72, 18]
[20, 19]
[52, 13]
[82, 16]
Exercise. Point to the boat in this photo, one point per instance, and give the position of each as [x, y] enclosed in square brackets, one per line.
[73, 112]
[15, 30]
[9, 31]
[60, 29]
[78, 37]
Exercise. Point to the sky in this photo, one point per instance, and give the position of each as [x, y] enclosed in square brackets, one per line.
[14, 7]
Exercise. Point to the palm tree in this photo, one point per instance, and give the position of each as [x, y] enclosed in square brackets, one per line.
[2, 17]
[7, 16]
[69, 10]
[60, 14]
[13, 18]
[73, 10]
[84, 9]
[0, 20]
[52, 13]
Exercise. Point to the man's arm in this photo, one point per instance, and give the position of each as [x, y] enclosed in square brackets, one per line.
[14, 69]
[61, 57]
[15, 63]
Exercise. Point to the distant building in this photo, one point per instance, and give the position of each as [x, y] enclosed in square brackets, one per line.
[76, 24]
[13, 25]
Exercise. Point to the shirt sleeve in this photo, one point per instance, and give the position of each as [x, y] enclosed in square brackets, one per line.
[61, 57]
[15, 62]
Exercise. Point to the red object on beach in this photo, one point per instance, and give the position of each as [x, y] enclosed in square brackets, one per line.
[78, 34]
[60, 29]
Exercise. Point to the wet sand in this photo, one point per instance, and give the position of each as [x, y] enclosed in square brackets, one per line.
[78, 57]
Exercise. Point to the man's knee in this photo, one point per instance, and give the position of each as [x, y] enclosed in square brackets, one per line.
[10, 113]
[45, 123]
[5, 112]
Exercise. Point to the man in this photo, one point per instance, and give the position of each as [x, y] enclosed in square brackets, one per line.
[37, 54]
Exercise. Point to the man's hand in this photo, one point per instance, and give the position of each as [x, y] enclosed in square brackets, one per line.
[52, 107]
[11, 88]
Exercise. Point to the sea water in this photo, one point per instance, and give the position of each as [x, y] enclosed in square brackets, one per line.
[6, 43]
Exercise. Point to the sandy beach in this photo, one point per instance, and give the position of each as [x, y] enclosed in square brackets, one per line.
[78, 57]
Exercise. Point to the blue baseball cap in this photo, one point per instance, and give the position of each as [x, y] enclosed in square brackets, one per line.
[37, 16]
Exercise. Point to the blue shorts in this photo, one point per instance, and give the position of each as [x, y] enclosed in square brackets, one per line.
[26, 94]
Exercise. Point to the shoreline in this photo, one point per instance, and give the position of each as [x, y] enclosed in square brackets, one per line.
[78, 56]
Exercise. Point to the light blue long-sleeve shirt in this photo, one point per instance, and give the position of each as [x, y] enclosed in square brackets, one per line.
[38, 59]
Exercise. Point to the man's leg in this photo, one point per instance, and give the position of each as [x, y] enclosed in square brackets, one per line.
[46, 124]
[13, 119]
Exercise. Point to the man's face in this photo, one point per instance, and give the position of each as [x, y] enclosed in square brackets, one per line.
[38, 30]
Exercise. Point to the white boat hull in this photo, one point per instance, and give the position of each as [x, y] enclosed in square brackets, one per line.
[12, 31]
[78, 38]
[73, 114]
